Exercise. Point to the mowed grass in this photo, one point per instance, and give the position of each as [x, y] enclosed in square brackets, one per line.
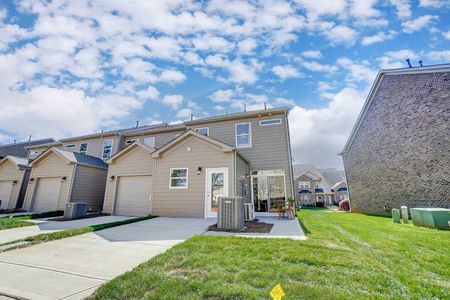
[346, 256]
[20, 221]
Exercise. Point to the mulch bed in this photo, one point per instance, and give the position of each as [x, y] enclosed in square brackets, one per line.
[249, 227]
[95, 215]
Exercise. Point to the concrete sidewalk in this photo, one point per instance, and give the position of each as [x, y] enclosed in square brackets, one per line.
[282, 228]
[46, 226]
[75, 267]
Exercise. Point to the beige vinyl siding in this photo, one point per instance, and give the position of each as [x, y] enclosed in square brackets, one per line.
[269, 150]
[51, 166]
[136, 162]
[89, 186]
[8, 173]
[188, 202]
[242, 169]
[161, 138]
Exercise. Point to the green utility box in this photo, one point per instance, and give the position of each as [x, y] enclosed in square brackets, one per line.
[431, 217]
[395, 215]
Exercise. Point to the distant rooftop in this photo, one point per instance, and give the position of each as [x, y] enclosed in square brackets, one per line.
[19, 149]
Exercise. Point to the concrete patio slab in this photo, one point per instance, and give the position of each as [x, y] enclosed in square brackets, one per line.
[46, 226]
[282, 228]
[75, 267]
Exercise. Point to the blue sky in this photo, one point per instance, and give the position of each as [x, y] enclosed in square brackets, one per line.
[75, 67]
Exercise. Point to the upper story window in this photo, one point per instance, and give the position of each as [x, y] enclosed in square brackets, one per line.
[150, 141]
[83, 148]
[203, 130]
[270, 122]
[178, 178]
[70, 147]
[243, 135]
[107, 149]
[304, 184]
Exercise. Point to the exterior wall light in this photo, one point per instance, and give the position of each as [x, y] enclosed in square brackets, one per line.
[111, 178]
[247, 175]
[31, 180]
[199, 170]
[63, 178]
[14, 182]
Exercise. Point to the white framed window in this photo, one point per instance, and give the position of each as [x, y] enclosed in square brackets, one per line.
[70, 147]
[178, 178]
[270, 122]
[83, 148]
[203, 130]
[107, 149]
[303, 184]
[149, 141]
[243, 135]
[130, 141]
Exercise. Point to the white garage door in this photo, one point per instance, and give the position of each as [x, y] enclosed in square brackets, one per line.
[47, 194]
[5, 193]
[133, 196]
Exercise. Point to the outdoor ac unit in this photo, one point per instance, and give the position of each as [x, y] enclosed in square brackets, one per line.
[75, 210]
[230, 214]
[249, 211]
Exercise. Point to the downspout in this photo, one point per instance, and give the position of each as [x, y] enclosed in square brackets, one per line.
[233, 189]
[153, 186]
[291, 171]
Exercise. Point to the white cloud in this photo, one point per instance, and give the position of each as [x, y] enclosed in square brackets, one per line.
[434, 3]
[396, 59]
[184, 113]
[318, 135]
[357, 71]
[150, 93]
[174, 101]
[317, 67]
[378, 38]
[247, 46]
[222, 96]
[219, 107]
[172, 76]
[286, 71]
[316, 8]
[371, 22]
[443, 56]
[314, 54]
[418, 23]
[403, 8]
[341, 34]
[239, 72]
[447, 35]
[284, 102]
[363, 9]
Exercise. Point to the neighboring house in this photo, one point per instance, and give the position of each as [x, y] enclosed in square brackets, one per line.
[59, 177]
[317, 186]
[20, 149]
[14, 174]
[181, 170]
[398, 152]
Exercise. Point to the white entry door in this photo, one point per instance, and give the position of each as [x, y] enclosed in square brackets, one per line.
[216, 186]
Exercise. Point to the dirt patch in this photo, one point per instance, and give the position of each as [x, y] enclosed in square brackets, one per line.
[249, 227]
[95, 215]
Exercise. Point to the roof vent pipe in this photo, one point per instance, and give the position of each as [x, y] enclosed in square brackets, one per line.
[409, 62]
[137, 124]
[192, 117]
[29, 138]
[265, 105]
[245, 107]
[421, 63]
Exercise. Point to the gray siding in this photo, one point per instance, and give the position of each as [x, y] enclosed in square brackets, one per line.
[401, 152]
[89, 186]
[161, 138]
[242, 183]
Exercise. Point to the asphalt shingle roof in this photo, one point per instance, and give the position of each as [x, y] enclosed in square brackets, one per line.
[18, 149]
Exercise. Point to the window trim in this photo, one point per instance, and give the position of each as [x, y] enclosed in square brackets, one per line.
[207, 130]
[178, 187]
[249, 135]
[103, 148]
[149, 137]
[271, 124]
[70, 146]
[87, 147]
[304, 187]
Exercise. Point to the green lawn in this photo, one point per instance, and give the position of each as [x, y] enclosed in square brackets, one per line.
[346, 256]
[20, 220]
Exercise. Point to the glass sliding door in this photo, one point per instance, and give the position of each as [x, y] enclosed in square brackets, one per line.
[269, 190]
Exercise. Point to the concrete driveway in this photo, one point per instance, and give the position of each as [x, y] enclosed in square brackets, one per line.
[46, 226]
[75, 267]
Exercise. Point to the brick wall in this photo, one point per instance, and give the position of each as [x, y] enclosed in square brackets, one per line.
[401, 153]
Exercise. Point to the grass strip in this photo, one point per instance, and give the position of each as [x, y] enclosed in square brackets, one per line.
[21, 220]
[47, 237]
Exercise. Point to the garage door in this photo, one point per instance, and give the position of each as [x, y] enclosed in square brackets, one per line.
[5, 193]
[47, 194]
[133, 196]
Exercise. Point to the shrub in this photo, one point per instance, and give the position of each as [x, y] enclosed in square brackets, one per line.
[320, 204]
[344, 205]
